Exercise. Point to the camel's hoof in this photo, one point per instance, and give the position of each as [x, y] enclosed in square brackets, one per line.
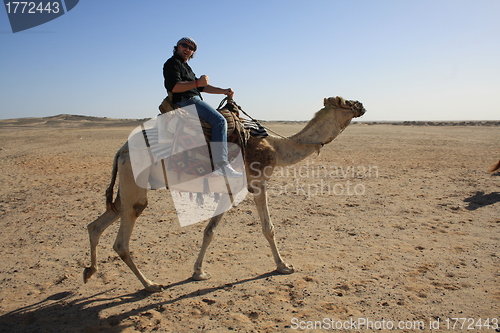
[285, 269]
[154, 287]
[87, 273]
[201, 276]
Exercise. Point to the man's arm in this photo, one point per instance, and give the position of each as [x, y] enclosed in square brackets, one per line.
[215, 90]
[183, 86]
[201, 82]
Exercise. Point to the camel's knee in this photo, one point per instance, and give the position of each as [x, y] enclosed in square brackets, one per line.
[269, 235]
[268, 231]
[209, 232]
[140, 206]
[96, 228]
[91, 230]
[212, 225]
[121, 250]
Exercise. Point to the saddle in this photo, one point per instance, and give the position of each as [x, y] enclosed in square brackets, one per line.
[193, 163]
[236, 129]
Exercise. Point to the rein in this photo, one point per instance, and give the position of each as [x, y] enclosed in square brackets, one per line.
[228, 99]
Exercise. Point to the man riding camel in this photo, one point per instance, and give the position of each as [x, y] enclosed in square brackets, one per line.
[186, 89]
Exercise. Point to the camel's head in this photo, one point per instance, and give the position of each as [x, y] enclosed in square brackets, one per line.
[343, 110]
[355, 108]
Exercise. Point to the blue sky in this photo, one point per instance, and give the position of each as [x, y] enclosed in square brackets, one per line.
[404, 59]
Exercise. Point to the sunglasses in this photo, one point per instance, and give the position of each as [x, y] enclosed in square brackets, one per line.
[187, 46]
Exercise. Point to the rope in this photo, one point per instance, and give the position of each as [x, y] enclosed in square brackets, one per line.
[228, 99]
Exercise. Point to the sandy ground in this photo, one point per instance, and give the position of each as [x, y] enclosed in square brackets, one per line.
[389, 226]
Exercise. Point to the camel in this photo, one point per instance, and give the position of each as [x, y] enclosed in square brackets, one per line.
[261, 157]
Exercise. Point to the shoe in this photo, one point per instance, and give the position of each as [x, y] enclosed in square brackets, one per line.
[227, 170]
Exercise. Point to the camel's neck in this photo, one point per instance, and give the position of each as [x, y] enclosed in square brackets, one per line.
[322, 129]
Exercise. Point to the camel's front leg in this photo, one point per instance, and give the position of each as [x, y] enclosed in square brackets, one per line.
[208, 235]
[260, 197]
[199, 273]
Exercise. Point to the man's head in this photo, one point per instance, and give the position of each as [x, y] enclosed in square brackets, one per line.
[186, 47]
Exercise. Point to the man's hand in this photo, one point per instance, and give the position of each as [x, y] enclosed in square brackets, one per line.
[229, 92]
[203, 81]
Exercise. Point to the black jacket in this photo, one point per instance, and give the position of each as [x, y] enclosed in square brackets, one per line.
[176, 70]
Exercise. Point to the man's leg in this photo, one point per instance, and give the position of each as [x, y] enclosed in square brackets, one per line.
[219, 130]
[219, 135]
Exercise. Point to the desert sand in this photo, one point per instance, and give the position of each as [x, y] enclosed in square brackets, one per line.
[393, 226]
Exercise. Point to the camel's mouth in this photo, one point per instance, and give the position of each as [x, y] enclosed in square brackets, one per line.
[357, 108]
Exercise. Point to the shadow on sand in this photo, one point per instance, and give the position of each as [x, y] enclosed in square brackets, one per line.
[479, 199]
[63, 312]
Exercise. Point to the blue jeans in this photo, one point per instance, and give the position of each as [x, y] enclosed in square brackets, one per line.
[219, 127]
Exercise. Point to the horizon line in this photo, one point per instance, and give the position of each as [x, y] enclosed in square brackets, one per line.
[265, 120]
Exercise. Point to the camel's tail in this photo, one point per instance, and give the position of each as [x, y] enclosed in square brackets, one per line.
[495, 167]
[110, 205]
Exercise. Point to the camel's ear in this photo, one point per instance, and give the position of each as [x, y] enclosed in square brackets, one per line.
[342, 102]
[335, 102]
[330, 101]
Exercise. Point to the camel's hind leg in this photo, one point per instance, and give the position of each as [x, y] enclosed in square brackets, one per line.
[133, 202]
[129, 215]
[95, 230]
